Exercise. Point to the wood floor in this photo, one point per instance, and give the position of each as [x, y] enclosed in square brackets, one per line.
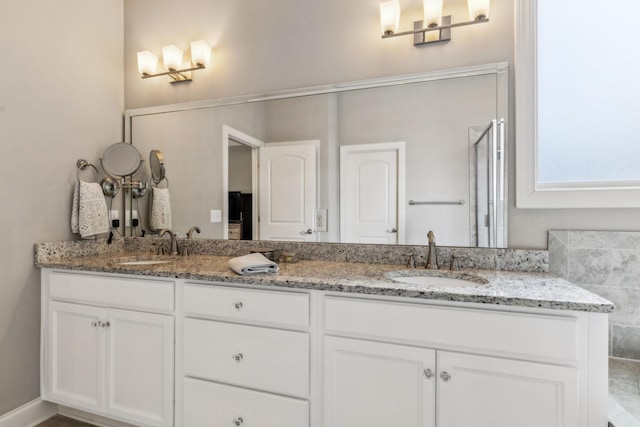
[60, 421]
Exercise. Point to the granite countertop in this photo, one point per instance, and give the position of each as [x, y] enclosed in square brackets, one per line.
[501, 287]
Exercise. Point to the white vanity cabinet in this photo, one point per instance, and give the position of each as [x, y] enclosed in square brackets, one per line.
[108, 346]
[411, 364]
[246, 357]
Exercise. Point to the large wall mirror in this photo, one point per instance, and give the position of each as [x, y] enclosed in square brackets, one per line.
[380, 161]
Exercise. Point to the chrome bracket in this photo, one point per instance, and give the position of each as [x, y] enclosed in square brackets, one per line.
[444, 34]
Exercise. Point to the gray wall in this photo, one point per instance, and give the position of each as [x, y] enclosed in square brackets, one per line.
[607, 264]
[267, 45]
[61, 99]
[191, 142]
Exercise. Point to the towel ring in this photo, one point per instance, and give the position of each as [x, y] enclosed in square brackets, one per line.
[157, 184]
[83, 165]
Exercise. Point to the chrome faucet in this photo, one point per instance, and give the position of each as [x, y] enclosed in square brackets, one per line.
[191, 230]
[432, 261]
[174, 241]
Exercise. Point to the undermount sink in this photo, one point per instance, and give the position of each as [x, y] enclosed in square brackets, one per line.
[438, 279]
[145, 262]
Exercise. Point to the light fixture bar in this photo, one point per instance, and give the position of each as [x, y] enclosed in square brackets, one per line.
[441, 27]
[172, 73]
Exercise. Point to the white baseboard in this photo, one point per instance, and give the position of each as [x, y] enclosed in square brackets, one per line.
[90, 418]
[30, 414]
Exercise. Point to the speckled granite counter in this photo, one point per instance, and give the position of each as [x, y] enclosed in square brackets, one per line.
[527, 289]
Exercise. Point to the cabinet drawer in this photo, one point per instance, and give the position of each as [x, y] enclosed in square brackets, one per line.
[249, 356]
[537, 336]
[113, 291]
[210, 404]
[235, 231]
[284, 308]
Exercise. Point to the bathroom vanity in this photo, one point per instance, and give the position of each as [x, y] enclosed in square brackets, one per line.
[319, 344]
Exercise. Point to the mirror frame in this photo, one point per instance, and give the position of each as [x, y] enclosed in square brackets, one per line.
[499, 69]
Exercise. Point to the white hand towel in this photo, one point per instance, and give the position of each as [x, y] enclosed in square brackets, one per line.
[252, 264]
[160, 209]
[89, 214]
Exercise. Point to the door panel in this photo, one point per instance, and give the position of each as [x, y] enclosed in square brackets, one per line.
[369, 199]
[288, 175]
[372, 384]
[74, 361]
[493, 392]
[140, 376]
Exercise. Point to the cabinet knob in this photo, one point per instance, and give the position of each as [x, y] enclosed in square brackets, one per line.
[238, 357]
[95, 324]
[428, 373]
[104, 324]
[238, 421]
[445, 376]
[238, 305]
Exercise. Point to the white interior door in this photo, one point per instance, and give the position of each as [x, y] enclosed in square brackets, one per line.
[288, 175]
[372, 193]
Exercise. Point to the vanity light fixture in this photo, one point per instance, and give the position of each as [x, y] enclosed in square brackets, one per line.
[172, 59]
[434, 27]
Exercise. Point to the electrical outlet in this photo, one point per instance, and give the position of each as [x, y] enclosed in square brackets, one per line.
[320, 220]
[114, 214]
[127, 217]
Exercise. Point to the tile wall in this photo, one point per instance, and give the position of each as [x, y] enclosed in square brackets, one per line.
[607, 264]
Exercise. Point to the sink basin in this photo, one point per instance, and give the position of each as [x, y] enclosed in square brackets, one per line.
[443, 280]
[145, 262]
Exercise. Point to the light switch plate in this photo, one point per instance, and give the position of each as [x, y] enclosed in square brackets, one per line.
[320, 220]
[216, 215]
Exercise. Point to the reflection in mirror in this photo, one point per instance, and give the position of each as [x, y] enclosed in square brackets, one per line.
[121, 159]
[437, 120]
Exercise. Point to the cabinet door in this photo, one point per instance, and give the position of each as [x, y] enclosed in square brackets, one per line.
[74, 362]
[371, 384]
[140, 367]
[483, 391]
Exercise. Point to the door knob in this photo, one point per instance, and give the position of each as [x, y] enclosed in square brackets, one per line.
[445, 376]
[428, 373]
[238, 357]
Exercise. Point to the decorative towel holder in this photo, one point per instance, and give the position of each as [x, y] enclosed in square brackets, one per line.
[83, 165]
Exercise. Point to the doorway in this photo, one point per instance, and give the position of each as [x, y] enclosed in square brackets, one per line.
[238, 143]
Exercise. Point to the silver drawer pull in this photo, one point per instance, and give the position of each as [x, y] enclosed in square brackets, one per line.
[428, 373]
[238, 357]
[445, 376]
[238, 305]
[238, 421]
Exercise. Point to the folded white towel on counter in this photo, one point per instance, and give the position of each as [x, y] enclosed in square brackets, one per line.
[252, 264]
[160, 209]
[89, 215]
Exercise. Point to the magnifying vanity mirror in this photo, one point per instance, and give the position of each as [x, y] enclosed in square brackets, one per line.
[156, 164]
[381, 161]
[121, 159]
